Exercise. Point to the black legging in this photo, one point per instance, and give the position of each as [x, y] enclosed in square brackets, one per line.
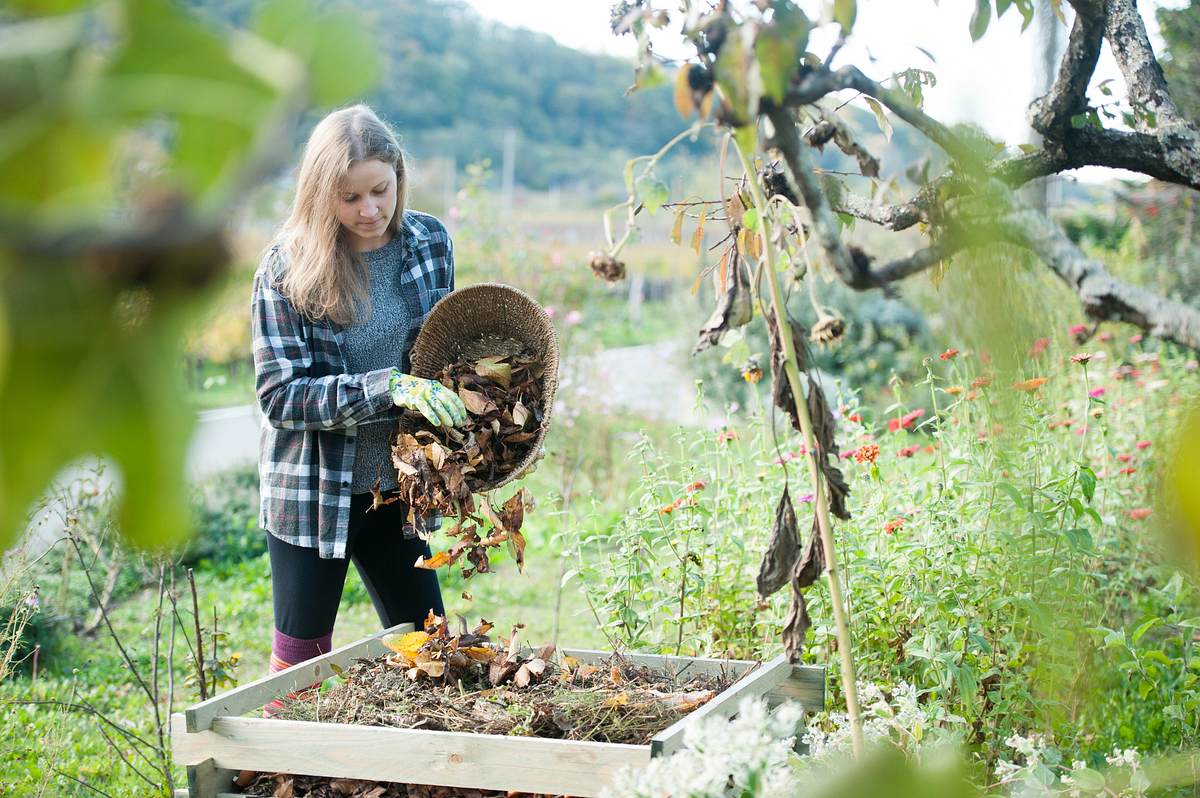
[307, 589]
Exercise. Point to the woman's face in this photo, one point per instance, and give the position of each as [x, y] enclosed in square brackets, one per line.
[366, 203]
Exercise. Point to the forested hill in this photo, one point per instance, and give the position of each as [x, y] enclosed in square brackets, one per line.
[453, 82]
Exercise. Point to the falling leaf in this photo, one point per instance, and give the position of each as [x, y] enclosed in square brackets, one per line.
[467, 596]
[434, 562]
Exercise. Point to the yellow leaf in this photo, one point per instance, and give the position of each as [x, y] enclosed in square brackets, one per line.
[677, 227]
[494, 369]
[684, 103]
[406, 645]
[698, 236]
[434, 562]
[479, 653]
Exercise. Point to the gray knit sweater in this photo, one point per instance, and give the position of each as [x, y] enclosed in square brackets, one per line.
[378, 343]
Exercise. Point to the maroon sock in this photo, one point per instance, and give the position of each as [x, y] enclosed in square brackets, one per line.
[287, 651]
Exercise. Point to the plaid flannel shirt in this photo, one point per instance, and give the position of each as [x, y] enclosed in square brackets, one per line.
[312, 406]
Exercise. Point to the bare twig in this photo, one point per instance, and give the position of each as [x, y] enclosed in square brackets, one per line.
[199, 660]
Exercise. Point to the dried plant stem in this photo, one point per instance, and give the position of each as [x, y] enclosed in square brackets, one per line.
[820, 500]
[199, 637]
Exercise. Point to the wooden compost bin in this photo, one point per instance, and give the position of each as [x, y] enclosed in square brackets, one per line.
[215, 740]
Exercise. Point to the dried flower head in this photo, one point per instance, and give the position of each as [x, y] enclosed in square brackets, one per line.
[606, 267]
[827, 329]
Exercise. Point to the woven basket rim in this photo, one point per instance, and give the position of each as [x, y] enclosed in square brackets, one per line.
[538, 323]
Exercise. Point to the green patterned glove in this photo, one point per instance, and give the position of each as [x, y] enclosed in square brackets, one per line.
[440, 405]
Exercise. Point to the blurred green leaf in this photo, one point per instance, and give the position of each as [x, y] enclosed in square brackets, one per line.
[844, 14]
[778, 48]
[980, 19]
[340, 51]
[652, 191]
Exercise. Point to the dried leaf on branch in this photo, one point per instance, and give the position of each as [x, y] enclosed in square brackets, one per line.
[783, 550]
[734, 308]
[806, 571]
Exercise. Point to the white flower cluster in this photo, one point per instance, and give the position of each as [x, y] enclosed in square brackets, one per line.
[746, 756]
[899, 719]
[1036, 777]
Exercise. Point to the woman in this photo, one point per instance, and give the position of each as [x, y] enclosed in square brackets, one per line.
[337, 303]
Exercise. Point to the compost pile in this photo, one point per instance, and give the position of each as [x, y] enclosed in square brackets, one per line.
[440, 468]
[438, 681]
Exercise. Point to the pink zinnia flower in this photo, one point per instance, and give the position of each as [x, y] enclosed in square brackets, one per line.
[573, 317]
[1078, 329]
[1138, 513]
[1135, 338]
[1039, 346]
[1143, 444]
[909, 451]
[1096, 393]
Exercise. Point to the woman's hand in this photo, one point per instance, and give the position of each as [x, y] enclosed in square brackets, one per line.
[440, 405]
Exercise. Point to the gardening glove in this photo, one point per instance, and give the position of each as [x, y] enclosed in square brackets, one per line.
[440, 405]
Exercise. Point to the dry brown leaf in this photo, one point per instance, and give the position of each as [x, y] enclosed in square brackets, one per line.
[495, 369]
[520, 414]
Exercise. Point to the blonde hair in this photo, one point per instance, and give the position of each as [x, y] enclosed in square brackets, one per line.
[324, 278]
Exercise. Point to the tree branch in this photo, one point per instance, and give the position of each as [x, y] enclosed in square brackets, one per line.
[1104, 297]
[1051, 114]
[825, 225]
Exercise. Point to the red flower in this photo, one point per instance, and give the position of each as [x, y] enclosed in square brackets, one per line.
[866, 453]
[855, 417]
[1138, 513]
[1124, 457]
[1039, 346]
[907, 420]
[1136, 338]
[1142, 444]
[893, 425]
[948, 354]
[1128, 470]
[1078, 329]
[697, 485]
[909, 451]
[891, 526]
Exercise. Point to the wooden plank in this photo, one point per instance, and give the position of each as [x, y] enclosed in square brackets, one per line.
[454, 759]
[253, 695]
[806, 683]
[677, 666]
[759, 682]
[205, 780]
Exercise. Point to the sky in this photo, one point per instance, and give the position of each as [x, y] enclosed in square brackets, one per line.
[989, 82]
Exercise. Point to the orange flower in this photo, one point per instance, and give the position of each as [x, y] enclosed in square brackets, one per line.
[1128, 470]
[1030, 385]
[953, 390]
[697, 485]
[948, 354]
[891, 526]
[979, 382]
[866, 453]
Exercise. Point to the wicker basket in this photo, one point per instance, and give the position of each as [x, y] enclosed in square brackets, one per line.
[489, 319]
